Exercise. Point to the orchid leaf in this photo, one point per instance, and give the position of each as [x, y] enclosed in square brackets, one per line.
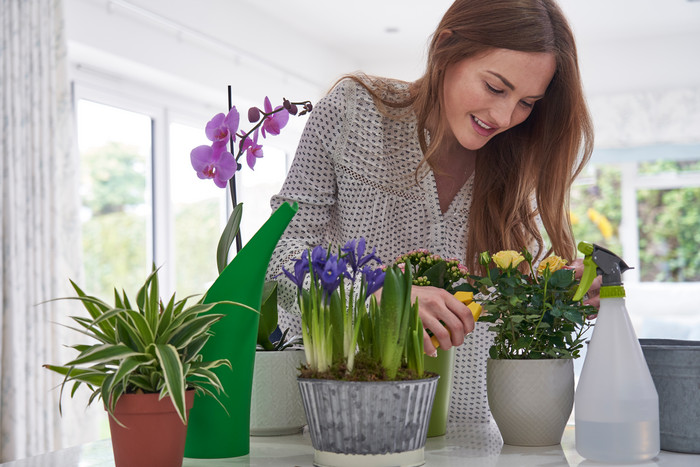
[268, 315]
[228, 236]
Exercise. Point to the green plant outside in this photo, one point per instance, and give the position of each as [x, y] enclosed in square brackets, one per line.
[668, 220]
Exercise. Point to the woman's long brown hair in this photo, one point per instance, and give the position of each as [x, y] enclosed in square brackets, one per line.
[542, 156]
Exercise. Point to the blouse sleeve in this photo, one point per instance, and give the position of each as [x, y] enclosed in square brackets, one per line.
[311, 182]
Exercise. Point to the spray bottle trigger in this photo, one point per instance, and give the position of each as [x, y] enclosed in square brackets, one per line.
[590, 270]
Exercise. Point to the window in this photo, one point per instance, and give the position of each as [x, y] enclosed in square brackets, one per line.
[198, 210]
[644, 203]
[116, 147]
[668, 209]
[256, 187]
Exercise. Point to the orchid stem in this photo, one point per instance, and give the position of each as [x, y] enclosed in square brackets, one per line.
[232, 182]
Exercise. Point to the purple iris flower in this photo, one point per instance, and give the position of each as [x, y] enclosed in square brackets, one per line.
[350, 256]
[254, 151]
[333, 270]
[374, 279]
[275, 122]
[318, 260]
[354, 251]
[214, 162]
[222, 127]
[301, 267]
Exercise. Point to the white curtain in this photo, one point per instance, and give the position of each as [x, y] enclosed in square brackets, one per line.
[40, 230]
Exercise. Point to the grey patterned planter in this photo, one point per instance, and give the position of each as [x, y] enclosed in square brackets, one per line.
[368, 423]
[530, 400]
[275, 406]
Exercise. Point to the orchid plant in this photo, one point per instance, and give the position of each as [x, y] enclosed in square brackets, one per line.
[533, 314]
[338, 326]
[217, 162]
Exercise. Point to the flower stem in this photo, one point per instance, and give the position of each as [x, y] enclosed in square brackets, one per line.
[232, 181]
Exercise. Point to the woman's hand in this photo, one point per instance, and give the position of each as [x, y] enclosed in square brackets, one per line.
[594, 291]
[436, 305]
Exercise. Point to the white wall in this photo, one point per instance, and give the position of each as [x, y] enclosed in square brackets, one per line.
[114, 39]
[205, 45]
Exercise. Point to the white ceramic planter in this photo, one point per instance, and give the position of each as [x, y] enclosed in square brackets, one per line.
[530, 400]
[276, 407]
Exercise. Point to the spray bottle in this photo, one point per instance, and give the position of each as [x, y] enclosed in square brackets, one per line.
[616, 403]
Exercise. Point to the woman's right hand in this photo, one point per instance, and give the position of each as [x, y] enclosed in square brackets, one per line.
[447, 318]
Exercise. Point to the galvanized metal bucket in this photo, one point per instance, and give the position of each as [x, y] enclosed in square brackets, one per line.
[368, 423]
[675, 369]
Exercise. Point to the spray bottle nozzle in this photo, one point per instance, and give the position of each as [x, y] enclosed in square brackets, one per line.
[599, 260]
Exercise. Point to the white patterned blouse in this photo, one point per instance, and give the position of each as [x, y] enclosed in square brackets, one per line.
[354, 175]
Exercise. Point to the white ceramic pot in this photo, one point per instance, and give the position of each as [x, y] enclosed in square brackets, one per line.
[530, 400]
[276, 407]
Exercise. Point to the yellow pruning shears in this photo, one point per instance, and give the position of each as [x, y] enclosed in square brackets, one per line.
[468, 299]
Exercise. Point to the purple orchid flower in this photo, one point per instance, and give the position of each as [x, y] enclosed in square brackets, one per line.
[274, 123]
[223, 127]
[254, 151]
[301, 267]
[214, 162]
[374, 279]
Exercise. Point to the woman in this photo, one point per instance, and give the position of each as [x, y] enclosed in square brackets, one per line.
[470, 157]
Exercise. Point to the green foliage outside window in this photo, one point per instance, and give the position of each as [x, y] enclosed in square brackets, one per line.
[596, 207]
[114, 211]
[668, 220]
[197, 230]
[669, 227]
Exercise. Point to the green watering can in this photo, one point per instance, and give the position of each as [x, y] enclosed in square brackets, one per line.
[212, 433]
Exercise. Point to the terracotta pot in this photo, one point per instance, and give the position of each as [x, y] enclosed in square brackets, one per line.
[152, 435]
[530, 400]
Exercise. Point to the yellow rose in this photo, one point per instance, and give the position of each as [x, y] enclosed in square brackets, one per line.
[507, 258]
[554, 262]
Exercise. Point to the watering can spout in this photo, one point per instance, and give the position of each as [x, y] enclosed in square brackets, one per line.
[215, 431]
[246, 271]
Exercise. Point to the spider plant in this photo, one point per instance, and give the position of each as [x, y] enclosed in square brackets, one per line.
[144, 346]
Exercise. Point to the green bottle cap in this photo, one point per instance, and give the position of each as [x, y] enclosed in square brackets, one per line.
[612, 291]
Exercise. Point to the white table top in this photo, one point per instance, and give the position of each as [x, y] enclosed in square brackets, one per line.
[475, 445]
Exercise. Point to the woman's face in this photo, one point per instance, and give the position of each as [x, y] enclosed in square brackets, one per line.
[490, 93]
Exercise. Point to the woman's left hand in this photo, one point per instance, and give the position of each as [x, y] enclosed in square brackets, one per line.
[594, 291]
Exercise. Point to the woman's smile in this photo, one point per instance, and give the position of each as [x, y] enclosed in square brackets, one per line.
[482, 128]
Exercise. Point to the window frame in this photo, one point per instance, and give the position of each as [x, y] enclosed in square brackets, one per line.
[628, 160]
[162, 108]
